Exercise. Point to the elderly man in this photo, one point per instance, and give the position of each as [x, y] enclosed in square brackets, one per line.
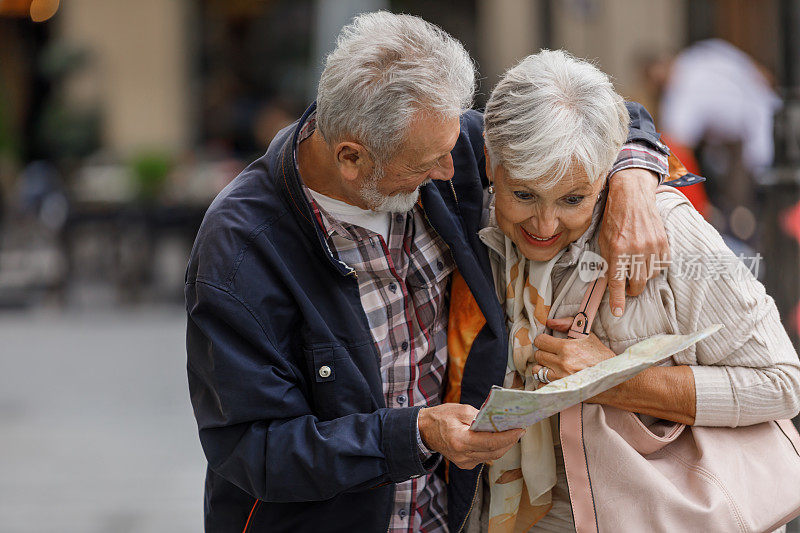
[317, 293]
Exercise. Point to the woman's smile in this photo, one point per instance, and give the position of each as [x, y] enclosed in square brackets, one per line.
[535, 240]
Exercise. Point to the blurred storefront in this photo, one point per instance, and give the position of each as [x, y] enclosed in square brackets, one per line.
[137, 114]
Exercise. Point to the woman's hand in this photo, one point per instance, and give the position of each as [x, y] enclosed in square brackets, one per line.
[666, 392]
[564, 357]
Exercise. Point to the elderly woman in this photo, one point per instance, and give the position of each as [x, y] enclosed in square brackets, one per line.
[553, 126]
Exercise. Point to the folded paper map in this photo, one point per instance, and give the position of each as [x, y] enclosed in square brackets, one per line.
[509, 408]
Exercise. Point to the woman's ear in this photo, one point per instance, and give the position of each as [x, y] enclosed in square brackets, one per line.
[489, 173]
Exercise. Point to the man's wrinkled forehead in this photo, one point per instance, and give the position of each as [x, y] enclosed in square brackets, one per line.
[430, 138]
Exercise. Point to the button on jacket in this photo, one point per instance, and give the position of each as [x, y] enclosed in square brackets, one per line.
[283, 373]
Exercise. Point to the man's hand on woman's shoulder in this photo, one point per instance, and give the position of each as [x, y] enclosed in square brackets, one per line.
[632, 235]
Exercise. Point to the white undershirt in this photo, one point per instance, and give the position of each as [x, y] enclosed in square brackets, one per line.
[344, 212]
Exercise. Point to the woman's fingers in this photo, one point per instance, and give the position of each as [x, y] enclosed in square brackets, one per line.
[560, 324]
[616, 289]
[548, 343]
[543, 358]
[552, 373]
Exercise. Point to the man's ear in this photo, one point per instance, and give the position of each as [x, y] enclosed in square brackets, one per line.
[351, 158]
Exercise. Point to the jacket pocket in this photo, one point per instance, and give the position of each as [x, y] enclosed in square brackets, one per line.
[338, 387]
[323, 364]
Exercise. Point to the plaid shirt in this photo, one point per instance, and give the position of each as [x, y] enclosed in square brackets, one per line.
[403, 285]
[403, 288]
[640, 155]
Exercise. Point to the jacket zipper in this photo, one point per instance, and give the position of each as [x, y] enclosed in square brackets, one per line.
[425, 213]
[474, 497]
[480, 471]
[452, 188]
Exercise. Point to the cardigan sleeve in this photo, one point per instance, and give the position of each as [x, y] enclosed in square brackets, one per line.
[748, 372]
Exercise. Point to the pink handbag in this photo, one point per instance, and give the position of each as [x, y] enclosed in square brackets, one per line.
[626, 476]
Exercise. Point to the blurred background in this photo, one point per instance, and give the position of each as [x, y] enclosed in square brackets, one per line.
[120, 121]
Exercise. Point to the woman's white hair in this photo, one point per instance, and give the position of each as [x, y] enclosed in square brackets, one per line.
[551, 114]
[386, 68]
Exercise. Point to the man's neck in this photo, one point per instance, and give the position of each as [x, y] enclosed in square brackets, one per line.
[318, 169]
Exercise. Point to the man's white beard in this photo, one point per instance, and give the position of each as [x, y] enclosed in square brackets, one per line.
[396, 203]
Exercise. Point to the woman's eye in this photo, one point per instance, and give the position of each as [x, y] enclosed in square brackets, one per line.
[573, 199]
[522, 195]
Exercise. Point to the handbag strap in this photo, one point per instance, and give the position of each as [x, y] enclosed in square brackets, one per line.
[571, 423]
[582, 323]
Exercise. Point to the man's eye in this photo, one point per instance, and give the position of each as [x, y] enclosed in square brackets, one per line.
[573, 199]
[523, 195]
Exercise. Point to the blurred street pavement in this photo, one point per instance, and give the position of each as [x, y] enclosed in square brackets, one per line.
[96, 428]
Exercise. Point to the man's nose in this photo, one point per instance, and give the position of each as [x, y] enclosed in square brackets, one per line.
[444, 170]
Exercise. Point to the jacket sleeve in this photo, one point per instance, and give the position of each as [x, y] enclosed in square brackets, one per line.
[642, 149]
[256, 426]
[749, 371]
[642, 129]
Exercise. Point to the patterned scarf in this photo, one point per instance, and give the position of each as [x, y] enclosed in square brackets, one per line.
[520, 482]
[522, 479]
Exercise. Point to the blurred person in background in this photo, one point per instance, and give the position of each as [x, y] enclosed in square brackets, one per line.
[41, 195]
[717, 104]
[317, 295]
[714, 91]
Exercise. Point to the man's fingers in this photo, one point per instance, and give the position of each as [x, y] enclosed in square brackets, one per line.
[636, 286]
[616, 295]
[481, 447]
[466, 413]
[488, 457]
[486, 442]
[496, 454]
[560, 324]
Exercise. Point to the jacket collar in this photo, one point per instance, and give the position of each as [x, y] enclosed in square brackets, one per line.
[289, 183]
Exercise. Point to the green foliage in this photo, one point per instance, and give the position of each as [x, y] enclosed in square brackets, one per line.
[150, 170]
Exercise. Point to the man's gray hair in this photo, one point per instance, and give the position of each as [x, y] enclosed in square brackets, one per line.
[553, 113]
[384, 69]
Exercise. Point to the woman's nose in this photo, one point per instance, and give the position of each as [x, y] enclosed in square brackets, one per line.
[545, 224]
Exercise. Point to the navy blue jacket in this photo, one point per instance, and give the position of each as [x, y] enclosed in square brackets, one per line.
[268, 305]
